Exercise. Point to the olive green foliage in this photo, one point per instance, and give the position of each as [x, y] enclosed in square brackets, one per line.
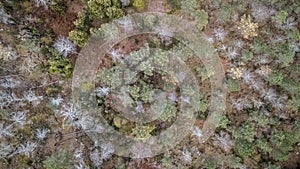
[244, 148]
[203, 105]
[264, 145]
[247, 55]
[105, 8]
[260, 118]
[200, 15]
[142, 91]
[82, 22]
[259, 46]
[205, 72]
[280, 17]
[294, 103]
[233, 85]
[283, 142]
[167, 163]
[244, 140]
[189, 5]
[58, 5]
[110, 77]
[209, 162]
[275, 78]
[143, 132]
[224, 121]
[225, 13]
[169, 112]
[293, 34]
[176, 4]
[81, 32]
[106, 31]
[114, 12]
[139, 4]
[79, 37]
[61, 161]
[246, 132]
[61, 66]
[236, 162]
[283, 53]
[147, 92]
[201, 18]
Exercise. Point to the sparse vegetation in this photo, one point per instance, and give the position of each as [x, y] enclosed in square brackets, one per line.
[140, 89]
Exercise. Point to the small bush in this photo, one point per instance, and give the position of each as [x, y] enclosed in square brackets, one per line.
[60, 161]
[61, 66]
[79, 37]
[139, 4]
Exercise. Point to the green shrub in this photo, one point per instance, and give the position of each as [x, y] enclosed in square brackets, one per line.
[244, 148]
[285, 54]
[143, 132]
[114, 12]
[245, 132]
[264, 145]
[225, 13]
[82, 22]
[189, 6]
[61, 66]
[224, 121]
[209, 162]
[275, 78]
[176, 4]
[233, 85]
[61, 161]
[139, 4]
[280, 17]
[201, 18]
[247, 55]
[58, 5]
[105, 8]
[79, 37]
[168, 113]
[283, 142]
